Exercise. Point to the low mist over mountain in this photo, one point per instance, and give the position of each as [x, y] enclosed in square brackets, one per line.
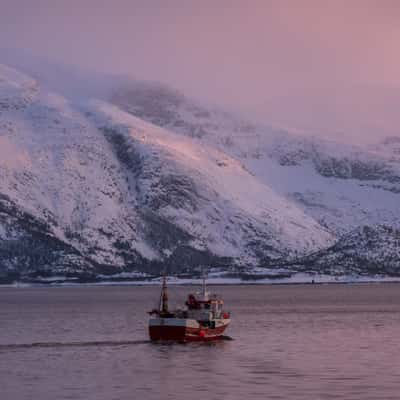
[123, 176]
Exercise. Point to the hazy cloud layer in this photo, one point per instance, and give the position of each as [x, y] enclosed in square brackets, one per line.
[328, 67]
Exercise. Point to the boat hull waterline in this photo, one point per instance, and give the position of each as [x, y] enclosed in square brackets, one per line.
[185, 330]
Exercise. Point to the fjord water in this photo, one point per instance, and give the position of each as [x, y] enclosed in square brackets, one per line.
[290, 342]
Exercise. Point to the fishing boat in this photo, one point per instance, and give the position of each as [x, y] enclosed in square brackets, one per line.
[201, 320]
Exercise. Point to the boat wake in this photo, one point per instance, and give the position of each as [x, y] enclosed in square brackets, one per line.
[71, 344]
[109, 343]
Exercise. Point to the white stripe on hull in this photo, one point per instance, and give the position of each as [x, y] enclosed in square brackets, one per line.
[188, 323]
[182, 322]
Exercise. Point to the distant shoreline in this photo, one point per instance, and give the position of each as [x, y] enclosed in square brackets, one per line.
[298, 279]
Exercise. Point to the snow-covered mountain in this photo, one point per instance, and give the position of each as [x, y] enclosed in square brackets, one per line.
[108, 191]
[341, 186]
[144, 177]
[364, 251]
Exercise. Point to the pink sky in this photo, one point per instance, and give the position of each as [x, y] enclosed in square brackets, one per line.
[330, 67]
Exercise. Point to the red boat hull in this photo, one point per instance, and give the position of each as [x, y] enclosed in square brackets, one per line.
[179, 331]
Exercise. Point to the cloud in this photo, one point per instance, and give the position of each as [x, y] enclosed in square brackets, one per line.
[320, 66]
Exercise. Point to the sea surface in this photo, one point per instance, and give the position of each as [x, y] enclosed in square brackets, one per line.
[289, 342]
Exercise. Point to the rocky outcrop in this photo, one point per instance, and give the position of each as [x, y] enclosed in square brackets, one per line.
[368, 250]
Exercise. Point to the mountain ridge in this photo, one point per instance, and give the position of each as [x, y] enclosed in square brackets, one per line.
[109, 191]
[104, 182]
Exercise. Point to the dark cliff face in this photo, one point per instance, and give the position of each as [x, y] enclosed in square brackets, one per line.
[362, 170]
[359, 165]
[29, 248]
[368, 250]
[377, 168]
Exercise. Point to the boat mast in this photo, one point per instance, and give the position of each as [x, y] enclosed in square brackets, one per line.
[164, 296]
[205, 293]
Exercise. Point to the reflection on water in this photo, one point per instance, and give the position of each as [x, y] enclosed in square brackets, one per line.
[290, 342]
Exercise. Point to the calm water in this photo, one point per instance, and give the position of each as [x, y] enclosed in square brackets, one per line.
[290, 342]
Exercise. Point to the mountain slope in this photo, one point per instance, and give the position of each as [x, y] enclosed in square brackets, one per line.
[157, 179]
[365, 251]
[339, 185]
[111, 192]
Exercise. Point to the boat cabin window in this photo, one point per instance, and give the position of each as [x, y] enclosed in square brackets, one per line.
[192, 303]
